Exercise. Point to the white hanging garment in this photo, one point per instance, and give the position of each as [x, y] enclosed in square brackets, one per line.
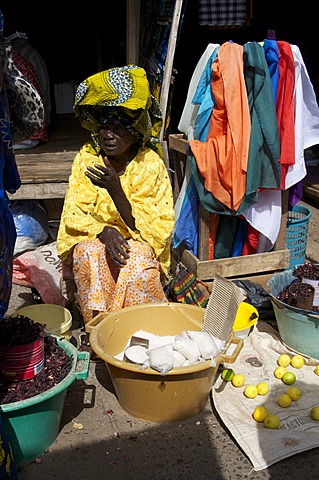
[306, 119]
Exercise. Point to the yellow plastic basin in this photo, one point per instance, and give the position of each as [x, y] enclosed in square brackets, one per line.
[58, 319]
[146, 394]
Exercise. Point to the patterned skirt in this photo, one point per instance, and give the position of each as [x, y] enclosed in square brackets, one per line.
[104, 286]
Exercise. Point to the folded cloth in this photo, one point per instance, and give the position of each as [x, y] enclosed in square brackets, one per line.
[297, 431]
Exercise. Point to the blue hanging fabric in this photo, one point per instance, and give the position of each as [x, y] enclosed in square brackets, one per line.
[186, 225]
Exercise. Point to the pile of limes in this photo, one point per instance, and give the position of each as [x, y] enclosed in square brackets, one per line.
[292, 394]
[281, 372]
[251, 391]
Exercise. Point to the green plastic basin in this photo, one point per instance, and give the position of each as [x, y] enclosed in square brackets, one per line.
[33, 424]
[298, 328]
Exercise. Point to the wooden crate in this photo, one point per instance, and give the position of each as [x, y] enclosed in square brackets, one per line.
[256, 267]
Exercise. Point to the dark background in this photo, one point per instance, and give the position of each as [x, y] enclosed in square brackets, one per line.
[74, 40]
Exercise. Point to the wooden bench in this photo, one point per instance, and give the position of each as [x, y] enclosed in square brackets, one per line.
[257, 267]
[44, 170]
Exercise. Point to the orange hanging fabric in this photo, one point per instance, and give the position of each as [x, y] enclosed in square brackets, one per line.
[222, 159]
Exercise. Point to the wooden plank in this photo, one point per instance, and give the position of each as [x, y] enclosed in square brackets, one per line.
[178, 143]
[311, 191]
[65, 134]
[165, 155]
[50, 168]
[235, 266]
[45, 169]
[132, 31]
[179, 169]
[40, 191]
[169, 62]
[261, 279]
[203, 233]
[310, 183]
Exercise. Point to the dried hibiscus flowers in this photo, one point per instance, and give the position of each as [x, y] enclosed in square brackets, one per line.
[20, 330]
[301, 295]
[301, 292]
[307, 270]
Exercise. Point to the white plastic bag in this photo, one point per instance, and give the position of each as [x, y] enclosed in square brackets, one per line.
[205, 342]
[32, 226]
[161, 359]
[188, 348]
[179, 359]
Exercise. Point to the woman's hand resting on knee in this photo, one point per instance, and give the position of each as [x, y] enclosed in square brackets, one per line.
[115, 244]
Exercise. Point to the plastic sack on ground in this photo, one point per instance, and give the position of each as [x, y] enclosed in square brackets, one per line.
[32, 226]
[42, 269]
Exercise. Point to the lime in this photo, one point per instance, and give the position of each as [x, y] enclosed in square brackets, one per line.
[297, 361]
[262, 388]
[314, 413]
[280, 372]
[283, 360]
[227, 374]
[238, 380]
[271, 421]
[294, 393]
[251, 391]
[289, 378]
[284, 400]
[260, 413]
[317, 370]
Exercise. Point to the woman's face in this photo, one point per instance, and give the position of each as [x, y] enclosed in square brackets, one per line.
[115, 140]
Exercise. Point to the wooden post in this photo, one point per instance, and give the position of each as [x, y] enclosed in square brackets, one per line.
[169, 63]
[132, 31]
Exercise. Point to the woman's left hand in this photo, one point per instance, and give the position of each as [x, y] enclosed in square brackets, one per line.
[115, 244]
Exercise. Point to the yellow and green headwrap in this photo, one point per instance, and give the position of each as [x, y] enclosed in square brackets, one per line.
[125, 92]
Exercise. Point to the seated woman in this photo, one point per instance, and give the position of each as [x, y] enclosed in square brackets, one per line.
[118, 213]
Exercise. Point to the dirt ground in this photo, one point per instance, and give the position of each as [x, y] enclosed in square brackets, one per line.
[98, 439]
[312, 251]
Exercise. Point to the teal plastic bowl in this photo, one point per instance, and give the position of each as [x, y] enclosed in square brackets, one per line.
[298, 329]
[33, 424]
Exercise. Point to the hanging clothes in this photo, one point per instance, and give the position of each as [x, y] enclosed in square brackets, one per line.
[9, 182]
[284, 122]
[198, 95]
[222, 159]
[272, 59]
[28, 70]
[264, 148]
[265, 216]
[239, 237]
[306, 119]
[21, 44]
[285, 108]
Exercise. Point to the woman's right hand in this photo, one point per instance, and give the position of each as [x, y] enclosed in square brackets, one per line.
[115, 244]
[104, 177]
